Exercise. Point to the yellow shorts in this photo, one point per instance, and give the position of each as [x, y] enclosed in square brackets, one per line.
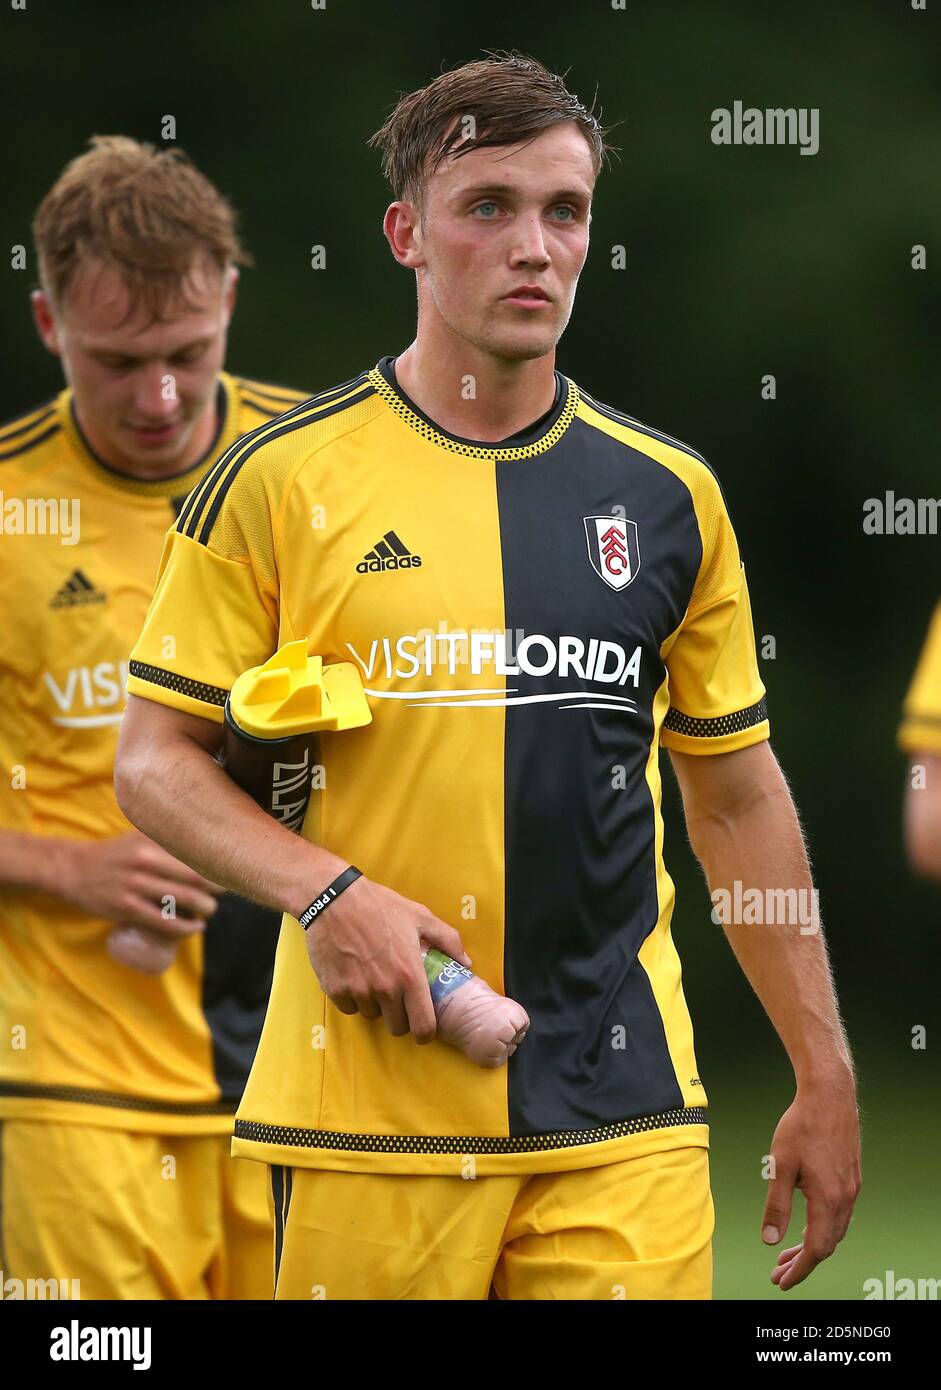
[638, 1229]
[132, 1215]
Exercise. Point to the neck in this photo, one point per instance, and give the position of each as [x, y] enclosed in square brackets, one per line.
[439, 370]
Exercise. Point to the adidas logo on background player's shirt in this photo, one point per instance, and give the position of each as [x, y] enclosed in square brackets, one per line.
[581, 601]
[76, 590]
[389, 553]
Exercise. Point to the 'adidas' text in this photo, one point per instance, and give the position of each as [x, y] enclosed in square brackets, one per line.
[390, 553]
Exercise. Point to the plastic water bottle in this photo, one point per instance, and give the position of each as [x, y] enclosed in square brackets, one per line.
[487, 1027]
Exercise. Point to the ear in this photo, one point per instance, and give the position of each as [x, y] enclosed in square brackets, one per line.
[45, 321]
[402, 228]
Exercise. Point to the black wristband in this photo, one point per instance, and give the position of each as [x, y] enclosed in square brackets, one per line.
[332, 891]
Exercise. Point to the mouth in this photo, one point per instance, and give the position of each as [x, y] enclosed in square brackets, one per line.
[155, 434]
[527, 297]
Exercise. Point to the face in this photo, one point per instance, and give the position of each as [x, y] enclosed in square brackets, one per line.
[502, 241]
[144, 391]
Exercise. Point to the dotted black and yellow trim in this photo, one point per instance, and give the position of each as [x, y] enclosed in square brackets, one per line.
[289, 1137]
[679, 723]
[114, 1100]
[182, 685]
[477, 451]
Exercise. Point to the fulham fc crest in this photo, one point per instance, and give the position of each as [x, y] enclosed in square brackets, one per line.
[613, 549]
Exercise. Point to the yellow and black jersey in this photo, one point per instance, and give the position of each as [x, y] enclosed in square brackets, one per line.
[532, 619]
[920, 729]
[83, 1038]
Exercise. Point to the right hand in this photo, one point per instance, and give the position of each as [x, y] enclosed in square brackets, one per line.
[366, 953]
[126, 879]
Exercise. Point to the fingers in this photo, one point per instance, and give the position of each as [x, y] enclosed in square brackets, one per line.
[394, 1015]
[796, 1270]
[785, 1271]
[446, 939]
[823, 1223]
[777, 1212]
[185, 901]
[419, 1008]
[391, 1009]
[142, 912]
[826, 1225]
[367, 1005]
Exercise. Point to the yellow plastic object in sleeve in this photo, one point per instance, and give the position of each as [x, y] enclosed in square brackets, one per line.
[293, 693]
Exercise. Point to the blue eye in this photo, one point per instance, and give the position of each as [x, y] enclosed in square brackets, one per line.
[481, 206]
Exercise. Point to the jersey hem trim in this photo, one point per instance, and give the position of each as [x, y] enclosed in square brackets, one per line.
[180, 685]
[161, 695]
[113, 1100]
[67, 1112]
[291, 1137]
[596, 1155]
[676, 722]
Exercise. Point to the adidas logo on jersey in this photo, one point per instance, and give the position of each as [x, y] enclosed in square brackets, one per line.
[77, 589]
[388, 554]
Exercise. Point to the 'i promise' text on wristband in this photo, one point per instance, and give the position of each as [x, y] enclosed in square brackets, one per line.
[333, 890]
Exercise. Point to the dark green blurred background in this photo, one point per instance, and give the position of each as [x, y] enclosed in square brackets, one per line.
[741, 261]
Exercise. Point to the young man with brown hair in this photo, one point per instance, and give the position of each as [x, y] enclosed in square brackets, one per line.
[539, 591]
[131, 999]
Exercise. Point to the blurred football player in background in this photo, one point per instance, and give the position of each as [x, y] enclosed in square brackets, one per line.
[131, 994]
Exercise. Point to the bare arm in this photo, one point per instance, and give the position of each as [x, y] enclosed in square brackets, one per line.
[743, 828]
[923, 816]
[123, 879]
[366, 949]
[169, 784]
[33, 862]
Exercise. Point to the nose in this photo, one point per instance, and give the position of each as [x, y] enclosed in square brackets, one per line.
[155, 396]
[530, 246]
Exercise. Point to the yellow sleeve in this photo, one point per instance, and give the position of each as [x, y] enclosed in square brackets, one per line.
[215, 609]
[920, 729]
[717, 698]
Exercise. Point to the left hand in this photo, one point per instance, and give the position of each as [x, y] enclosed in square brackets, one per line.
[816, 1148]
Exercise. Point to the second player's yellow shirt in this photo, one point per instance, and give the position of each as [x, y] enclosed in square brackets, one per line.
[920, 730]
[532, 620]
[82, 1038]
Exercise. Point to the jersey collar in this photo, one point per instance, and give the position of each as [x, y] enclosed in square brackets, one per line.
[536, 439]
[178, 484]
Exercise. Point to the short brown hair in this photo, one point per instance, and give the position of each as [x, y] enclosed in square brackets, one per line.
[512, 99]
[150, 214]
